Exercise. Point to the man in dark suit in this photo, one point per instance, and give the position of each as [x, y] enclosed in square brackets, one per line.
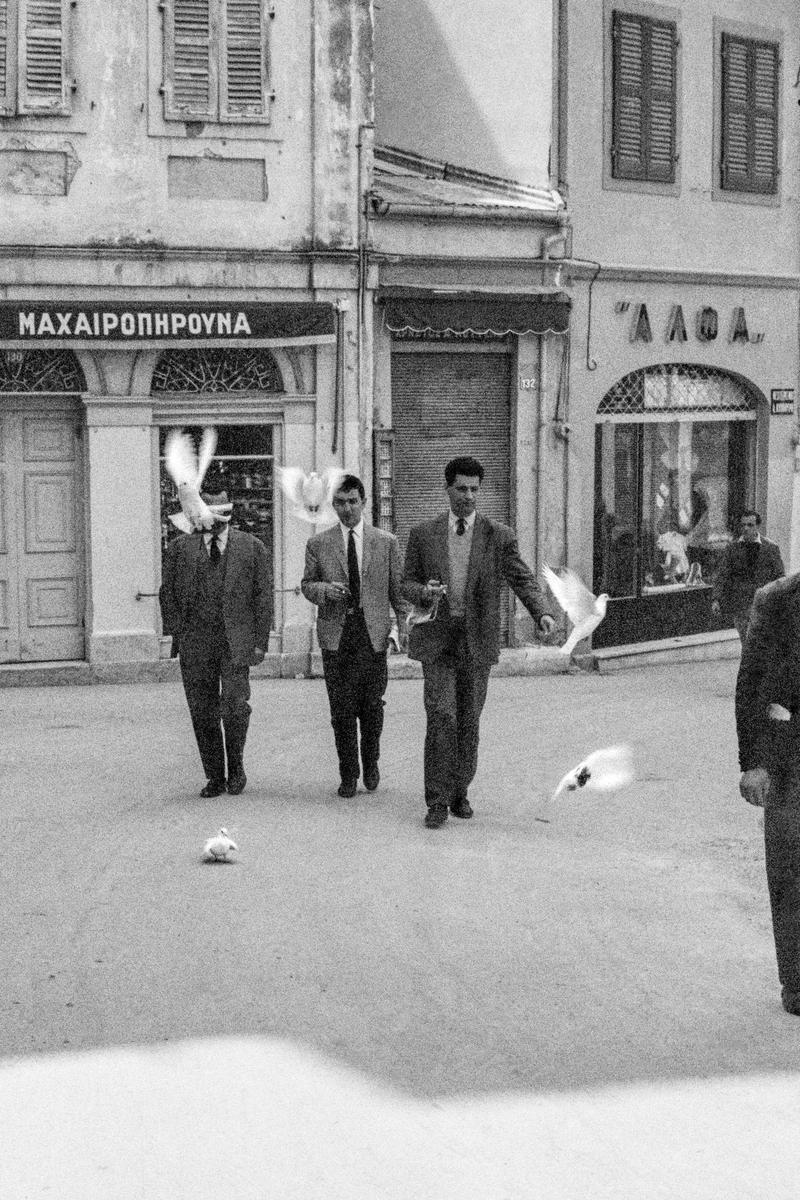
[462, 558]
[352, 573]
[747, 564]
[216, 602]
[768, 727]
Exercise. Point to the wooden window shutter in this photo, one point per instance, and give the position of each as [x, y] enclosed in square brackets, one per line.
[749, 115]
[43, 26]
[244, 82]
[6, 73]
[190, 74]
[644, 98]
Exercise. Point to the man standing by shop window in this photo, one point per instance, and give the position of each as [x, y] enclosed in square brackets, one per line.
[216, 602]
[747, 564]
[352, 573]
[462, 558]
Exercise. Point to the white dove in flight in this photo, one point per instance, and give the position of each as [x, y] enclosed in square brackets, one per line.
[218, 848]
[187, 471]
[602, 771]
[311, 495]
[584, 610]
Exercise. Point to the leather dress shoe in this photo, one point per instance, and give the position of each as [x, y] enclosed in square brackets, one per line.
[371, 779]
[791, 1001]
[347, 788]
[436, 816]
[214, 787]
[461, 807]
[237, 782]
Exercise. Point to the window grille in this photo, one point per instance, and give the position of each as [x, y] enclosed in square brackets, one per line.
[676, 389]
[40, 371]
[216, 371]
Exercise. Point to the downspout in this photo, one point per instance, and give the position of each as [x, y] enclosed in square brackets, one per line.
[364, 147]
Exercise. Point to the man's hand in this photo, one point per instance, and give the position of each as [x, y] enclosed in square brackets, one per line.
[547, 624]
[433, 588]
[754, 786]
[716, 607]
[336, 591]
[258, 656]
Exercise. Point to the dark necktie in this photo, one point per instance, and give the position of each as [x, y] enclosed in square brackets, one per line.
[214, 550]
[461, 525]
[353, 577]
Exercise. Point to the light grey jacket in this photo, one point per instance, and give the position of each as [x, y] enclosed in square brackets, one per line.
[326, 562]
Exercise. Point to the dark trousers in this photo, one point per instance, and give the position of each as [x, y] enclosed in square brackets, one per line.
[454, 693]
[356, 677]
[782, 850]
[217, 693]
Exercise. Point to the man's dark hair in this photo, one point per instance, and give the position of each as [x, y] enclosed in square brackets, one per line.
[213, 485]
[465, 465]
[348, 482]
[751, 512]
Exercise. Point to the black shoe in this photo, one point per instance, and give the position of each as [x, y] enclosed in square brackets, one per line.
[347, 788]
[436, 816]
[461, 808]
[237, 782]
[791, 1001]
[214, 787]
[372, 778]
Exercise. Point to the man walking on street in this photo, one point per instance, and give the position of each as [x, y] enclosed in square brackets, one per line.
[747, 564]
[216, 602]
[462, 558]
[352, 573]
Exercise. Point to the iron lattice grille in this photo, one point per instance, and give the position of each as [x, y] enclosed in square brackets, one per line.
[40, 371]
[674, 389]
[216, 371]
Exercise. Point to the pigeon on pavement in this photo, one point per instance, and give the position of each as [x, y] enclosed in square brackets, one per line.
[311, 495]
[584, 610]
[601, 771]
[218, 848]
[187, 471]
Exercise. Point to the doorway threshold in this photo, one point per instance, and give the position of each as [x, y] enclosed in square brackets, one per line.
[692, 647]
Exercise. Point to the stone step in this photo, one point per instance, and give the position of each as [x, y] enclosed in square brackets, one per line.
[693, 647]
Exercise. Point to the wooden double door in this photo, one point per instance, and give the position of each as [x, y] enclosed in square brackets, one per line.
[41, 532]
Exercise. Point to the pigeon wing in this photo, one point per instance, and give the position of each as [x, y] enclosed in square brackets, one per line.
[292, 480]
[208, 445]
[611, 767]
[180, 458]
[571, 593]
[331, 480]
[181, 521]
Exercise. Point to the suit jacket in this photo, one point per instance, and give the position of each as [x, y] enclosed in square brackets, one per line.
[326, 562]
[494, 558]
[769, 673]
[247, 604]
[732, 588]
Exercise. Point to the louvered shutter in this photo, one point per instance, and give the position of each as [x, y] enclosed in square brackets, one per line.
[190, 74]
[749, 115]
[6, 92]
[644, 98]
[243, 59]
[42, 56]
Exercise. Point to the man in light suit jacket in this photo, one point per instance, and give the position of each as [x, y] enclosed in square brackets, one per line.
[352, 573]
[768, 728]
[747, 564]
[463, 558]
[216, 602]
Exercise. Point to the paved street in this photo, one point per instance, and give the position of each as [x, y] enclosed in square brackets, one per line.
[360, 1007]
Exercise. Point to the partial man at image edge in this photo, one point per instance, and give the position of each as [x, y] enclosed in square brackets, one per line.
[748, 563]
[216, 603]
[768, 730]
[352, 574]
[461, 558]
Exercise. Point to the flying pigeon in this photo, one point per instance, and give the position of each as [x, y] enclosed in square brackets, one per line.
[187, 470]
[601, 771]
[584, 610]
[311, 495]
[218, 848]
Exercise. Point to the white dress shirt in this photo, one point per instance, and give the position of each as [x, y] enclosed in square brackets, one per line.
[468, 522]
[358, 534]
[222, 539]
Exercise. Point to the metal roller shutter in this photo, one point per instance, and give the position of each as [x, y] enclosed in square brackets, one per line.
[444, 405]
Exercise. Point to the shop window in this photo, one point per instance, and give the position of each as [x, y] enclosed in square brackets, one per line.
[216, 62]
[749, 115]
[674, 470]
[644, 98]
[34, 35]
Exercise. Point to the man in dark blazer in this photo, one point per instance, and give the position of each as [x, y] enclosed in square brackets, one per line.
[216, 602]
[768, 728]
[462, 558]
[747, 564]
[352, 573]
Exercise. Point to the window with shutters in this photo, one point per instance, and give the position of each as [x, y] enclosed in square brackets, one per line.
[749, 110]
[216, 62]
[34, 77]
[644, 54]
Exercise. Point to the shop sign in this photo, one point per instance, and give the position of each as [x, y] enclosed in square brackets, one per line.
[145, 323]
[782, 402]
[706, 325]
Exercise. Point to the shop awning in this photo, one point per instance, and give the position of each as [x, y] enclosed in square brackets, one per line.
[484, 314]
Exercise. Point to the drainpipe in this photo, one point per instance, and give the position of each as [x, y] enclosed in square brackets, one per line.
[364, 158]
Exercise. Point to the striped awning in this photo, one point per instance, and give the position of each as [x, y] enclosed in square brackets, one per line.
[497, 315]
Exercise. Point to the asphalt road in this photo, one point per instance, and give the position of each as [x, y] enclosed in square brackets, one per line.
[361, 1007]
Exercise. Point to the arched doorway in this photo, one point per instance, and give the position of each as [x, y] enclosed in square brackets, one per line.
[675, 456]
[42, 574]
